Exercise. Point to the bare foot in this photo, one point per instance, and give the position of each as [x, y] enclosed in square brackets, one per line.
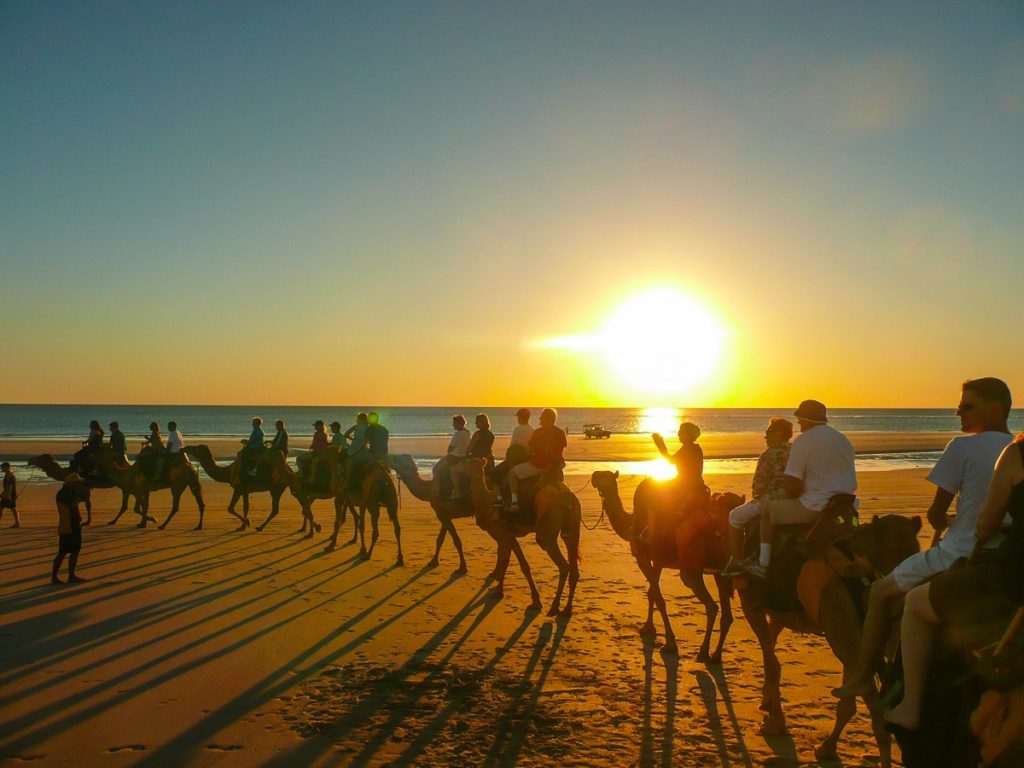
[55, 580]
[76, 580]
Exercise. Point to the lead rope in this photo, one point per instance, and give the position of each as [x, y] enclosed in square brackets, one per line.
[599, 518]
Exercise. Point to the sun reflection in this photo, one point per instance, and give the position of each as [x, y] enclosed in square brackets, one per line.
[663, 420]
[659, 469]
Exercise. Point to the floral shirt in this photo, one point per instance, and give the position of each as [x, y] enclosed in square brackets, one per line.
[771, 468]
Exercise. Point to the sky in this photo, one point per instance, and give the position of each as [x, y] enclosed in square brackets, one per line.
[405, 203]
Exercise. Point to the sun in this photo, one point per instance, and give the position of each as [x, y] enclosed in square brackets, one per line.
[662, 342]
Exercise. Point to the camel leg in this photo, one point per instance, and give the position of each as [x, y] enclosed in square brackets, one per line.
[339, 519]
[695, 581]
[197, 493]
[393, 514]
[504, 555]
[88, 510]
[314, 526]
[142, 508]
[235, 495]
[724, 585]
[124, 506]
[524, 566]
[655, 597]
[362, 531]
[374, 530]
[273, 514]
[550, 545]
[774, 722]
[175, 502]
[647, 629]
[436, 559]
[572, 548]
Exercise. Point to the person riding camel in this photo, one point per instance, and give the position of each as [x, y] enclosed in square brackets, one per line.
[768, 484]
[175, 445]
[458, 449]
[688, 484]
[309, 462]
[820, 466]
[118, 443]
[377, 438]
[85, 459]
[9, 496]
[152, 450]
[547, 444]
[356, 453]
[251, 449]
[280, 440]
[480, 447]
[337, 436]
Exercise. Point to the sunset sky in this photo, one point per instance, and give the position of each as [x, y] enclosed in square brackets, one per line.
[443, 203]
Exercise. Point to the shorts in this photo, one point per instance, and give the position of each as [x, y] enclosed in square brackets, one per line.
[744, 513]
[69, 542]
[790, 512]
[920, 567]
[8, 504]
[526, 469]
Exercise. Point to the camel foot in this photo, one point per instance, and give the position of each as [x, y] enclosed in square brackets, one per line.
[351, 541]
[826, 751]
[715, 659]
[141, 525]
[310, 534]
[670, 648]
[198, 527]
[462, 570]
[161, 527]
[317, 527]
[553, 610]
[566, 612]
[703, 656]
[261, 527]
[491, 576]
[498, 593]
[111, 522]
[302, 529]
[329, 547]
[434, 562]
[772, 725]
[648, 630]
[241, 528]
[400, 561]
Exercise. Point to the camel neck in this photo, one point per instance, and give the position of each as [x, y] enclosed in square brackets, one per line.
[621, 520]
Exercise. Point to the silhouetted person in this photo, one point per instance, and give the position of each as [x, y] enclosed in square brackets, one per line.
[85, 459]
[69, 527]
[251, 449]
[377, 438]
[118, 444]
[280, 439]
[547, 444]
[9, 497]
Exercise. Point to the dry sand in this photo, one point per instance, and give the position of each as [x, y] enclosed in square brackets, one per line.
[239, 649]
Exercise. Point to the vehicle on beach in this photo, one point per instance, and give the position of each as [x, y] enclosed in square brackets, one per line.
[595, 431]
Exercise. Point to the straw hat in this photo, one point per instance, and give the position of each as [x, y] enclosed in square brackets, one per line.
[812, 411]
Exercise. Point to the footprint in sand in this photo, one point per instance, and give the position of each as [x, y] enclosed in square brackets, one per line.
[224, 747]
[127, 748]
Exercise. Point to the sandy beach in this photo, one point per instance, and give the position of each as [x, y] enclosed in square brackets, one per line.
[215, 647]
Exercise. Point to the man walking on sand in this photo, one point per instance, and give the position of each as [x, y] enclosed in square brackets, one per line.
[69, 527]
[964, 470]
[9, 497]
[820, 466]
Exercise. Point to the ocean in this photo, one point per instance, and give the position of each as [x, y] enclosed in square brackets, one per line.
[207, 421]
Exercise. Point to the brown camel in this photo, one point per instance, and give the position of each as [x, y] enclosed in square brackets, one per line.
[558, 515]
[55, 471]
[273, 476]
[376, 489]
[448, 510]
[696, 545]
[883, 543]
[130, 477]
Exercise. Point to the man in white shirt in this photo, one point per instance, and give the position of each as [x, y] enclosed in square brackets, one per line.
[175, 443]
[458, 447]
[820, 466]
[523, 432]
[964, 470]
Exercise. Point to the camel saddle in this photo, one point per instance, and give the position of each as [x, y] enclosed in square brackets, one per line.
[528, 490]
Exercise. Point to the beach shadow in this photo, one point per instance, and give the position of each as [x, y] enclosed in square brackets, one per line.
[663, 754]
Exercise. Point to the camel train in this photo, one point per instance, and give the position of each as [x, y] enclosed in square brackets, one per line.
[817, 581]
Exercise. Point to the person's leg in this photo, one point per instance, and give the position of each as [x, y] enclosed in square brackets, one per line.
[738, 520]
[435, 477]
[458, 472]
[883, 595]
[56, 566]
[917, 636]
[764, 555]
[17, 517]
[72, 562]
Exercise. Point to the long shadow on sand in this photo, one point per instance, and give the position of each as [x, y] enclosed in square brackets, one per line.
[650, 755]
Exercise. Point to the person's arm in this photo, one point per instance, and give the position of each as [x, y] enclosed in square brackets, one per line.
[937, 512]
[700, 460]
[762, 476]
[659, 441]
[350, 431]
[1008, 469]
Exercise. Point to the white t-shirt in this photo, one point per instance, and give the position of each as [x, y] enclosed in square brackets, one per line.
[823, 458]
[965, 468]
[174, 441]
[459, 443]
[521, 435]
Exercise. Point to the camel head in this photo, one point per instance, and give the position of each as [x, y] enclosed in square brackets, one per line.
[402, 463]
[726, 502]
[888, 540]
[606, 482]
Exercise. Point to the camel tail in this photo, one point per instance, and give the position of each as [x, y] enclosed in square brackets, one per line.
[571, 532]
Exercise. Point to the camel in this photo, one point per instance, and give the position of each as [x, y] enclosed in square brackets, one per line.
[558, 515]
[703, 547]
[131, 479]
[376, 489]
[273, 476]
[447, 510]
[55, 471]
[883, 543]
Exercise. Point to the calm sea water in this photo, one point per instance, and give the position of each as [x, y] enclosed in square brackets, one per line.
[233, 421]
[199, 421]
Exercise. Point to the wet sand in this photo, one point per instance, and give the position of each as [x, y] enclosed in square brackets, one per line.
[215, 647]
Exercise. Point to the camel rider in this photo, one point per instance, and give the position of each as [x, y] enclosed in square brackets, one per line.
[518, 448]
[280, 439]
[480, 447]
[85, 459]
[689, 459]
[355, 453]
[118, 444]
[337, 436]
[376, 443]
[547, 444]
[9, 496]
[175, 445]
[458, 449]
[251, 448]
[309, 462]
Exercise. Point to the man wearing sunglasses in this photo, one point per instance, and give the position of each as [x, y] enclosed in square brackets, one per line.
[963, 471]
